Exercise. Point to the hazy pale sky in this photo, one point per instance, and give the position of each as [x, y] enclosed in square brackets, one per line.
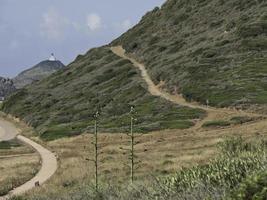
[30, 30]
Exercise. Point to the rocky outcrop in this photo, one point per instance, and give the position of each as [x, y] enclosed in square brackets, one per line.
[6, 87]
[37, 73]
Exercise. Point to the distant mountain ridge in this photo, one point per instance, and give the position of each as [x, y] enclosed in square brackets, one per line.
[29, 76]
[37, 73]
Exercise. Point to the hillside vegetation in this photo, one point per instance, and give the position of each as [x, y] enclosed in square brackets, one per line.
[211, 50]
[64, 104]
[207, 50]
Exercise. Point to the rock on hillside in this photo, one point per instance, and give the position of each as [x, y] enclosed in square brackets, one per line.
[6, 87]
[37, 73]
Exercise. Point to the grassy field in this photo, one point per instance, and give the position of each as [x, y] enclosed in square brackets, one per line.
[75, 171]
[161, 154]
[18, 164]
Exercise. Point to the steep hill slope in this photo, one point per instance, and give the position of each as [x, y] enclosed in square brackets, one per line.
[64, 103]
[6, 87]
[37, 73]
[207, 50]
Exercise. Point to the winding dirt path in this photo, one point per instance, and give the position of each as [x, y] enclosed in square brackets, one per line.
[7, 131]
[49, 161]
[212, 113]
[152, 88]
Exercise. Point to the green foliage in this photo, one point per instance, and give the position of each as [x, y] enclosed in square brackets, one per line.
[237, 145]
[4, 190]
[216, 124]
[238, 159]
[58, 132]
[227, 172]
[253, 188]
[253, 29]
[211, 50]
[241, 119]
[63, 104]
[233, 121]
[176, 124]
[9, 144]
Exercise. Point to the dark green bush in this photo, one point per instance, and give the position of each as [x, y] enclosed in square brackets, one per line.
[238, 159]
[253, 29]
[216, 124]
[9, 144]
[241, 120]
[253, 188]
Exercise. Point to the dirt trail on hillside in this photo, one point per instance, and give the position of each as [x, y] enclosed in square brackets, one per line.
[49, 161]
[152, 88]
[212, 113]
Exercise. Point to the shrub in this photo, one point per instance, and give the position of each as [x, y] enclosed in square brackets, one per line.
[238, 159]
[253, 188]
[9, 144]
[241, 119]
[255, 44]
[253, 29]
[216, 124]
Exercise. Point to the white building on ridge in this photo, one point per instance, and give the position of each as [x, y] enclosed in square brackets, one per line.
[52, 57]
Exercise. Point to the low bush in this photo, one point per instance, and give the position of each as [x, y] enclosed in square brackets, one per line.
[238, 159]
[241, 119]
[9, 144]
[216, 124]
[253, 188]
[253, 29]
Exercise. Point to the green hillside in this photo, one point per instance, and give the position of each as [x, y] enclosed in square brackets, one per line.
[64, 104]
[215, 50]
[207, 50]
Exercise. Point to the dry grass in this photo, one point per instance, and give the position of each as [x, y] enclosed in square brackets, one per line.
[17, 166]
[160, 153]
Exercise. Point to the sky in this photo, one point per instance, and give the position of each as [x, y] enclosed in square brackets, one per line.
[30, 30]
